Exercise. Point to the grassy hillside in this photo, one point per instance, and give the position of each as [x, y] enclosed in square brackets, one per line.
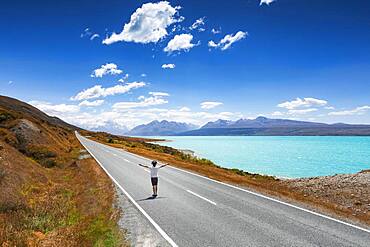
[51, 192]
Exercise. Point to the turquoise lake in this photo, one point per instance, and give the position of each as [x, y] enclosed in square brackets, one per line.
[281, 156]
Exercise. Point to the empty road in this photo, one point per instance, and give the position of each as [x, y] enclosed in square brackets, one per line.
[195, 211]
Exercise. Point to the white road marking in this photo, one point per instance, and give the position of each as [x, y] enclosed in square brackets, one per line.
[263, 196]
[195, 194]
[156, 226]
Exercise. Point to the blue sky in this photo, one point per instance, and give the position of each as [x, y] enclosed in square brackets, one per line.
[298, 59]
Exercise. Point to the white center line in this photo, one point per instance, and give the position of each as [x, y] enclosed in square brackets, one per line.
[195, 194]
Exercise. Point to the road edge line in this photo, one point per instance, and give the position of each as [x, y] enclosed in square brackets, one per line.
[265, 197]
[156, 226]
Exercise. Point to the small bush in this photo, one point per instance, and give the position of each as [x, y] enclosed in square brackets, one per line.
[4, 116]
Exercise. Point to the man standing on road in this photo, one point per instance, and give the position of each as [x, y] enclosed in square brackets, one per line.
[154, 175]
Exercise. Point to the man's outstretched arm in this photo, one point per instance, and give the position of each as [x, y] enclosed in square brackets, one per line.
[163, 165]
[144, 166]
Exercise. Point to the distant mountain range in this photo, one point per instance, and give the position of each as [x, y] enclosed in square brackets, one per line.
[274, 127]
[163, 128]
[261, 126]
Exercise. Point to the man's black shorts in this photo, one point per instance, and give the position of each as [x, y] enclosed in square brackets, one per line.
[154, 181]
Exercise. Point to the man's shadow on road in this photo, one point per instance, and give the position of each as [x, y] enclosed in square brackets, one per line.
[151, 198]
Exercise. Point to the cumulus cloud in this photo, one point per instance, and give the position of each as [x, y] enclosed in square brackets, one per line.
[91, 103]
[180, 42]
[106, 69]
[147, 24]
[197, 24]
[56, 109]
[357, 111]
[98, 91]
[228, 40]
[209, 104]
[156, 98]
[305, 102]
[267, 2]
[168, 66]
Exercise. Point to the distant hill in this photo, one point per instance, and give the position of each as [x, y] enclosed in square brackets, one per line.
[156, 128]
[276, 127]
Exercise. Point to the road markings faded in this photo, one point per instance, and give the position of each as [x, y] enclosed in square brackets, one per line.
[156, 226]
[195, 194]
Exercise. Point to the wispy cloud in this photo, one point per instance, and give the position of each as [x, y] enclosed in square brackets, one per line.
[156, 98]
[168, 66]
[105, 69]
[197, 24]
[98, 91]
[305, 102]
[301, 111]
[94, 36]
[91, 103]
[267, 2]
[210, 104]
[228, 40]
[147, 24]
[180, 42]
[55, 109]
[215, 31]
[357, 111]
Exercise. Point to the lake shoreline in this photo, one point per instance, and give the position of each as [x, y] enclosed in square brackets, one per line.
[344, 196]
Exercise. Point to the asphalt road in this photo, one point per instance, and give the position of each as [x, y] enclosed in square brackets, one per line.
[195, 211]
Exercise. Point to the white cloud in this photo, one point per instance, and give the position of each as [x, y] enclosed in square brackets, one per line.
[105, 69]
[197, 24]
[301, 111]
[228, 40]
[277, 114]
[98, 91]
[91, 103]
[357, 111]
[160, 94]
[305, 102]
[94, 36]
[329, 107]
[215, 31]
[168, 66]
[124, 79]
[147, 24]
[156, 98]
[86, 32]
[10, 82]
[267, 2]
[180, 42]
[143, 75]
[182, 109]
[55, 110]
[209, 104]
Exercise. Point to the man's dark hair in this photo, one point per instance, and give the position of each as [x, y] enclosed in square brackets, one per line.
[154, 163]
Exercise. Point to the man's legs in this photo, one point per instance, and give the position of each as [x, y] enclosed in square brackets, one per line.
[154, 190]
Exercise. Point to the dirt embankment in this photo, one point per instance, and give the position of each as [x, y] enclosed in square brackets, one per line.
[51, 192]
[345, 196]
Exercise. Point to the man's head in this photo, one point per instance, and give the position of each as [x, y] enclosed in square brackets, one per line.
[154, 163]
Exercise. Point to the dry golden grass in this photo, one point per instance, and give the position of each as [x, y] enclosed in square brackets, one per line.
[48, 197]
